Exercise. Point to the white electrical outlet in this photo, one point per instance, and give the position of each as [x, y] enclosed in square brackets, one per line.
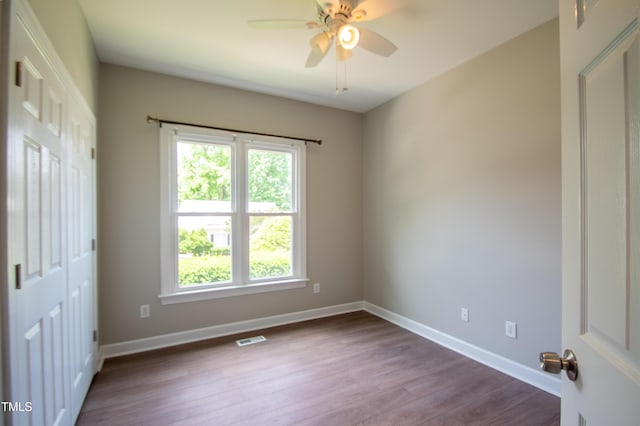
[464, 314]
[511, 329]
[316, 287]
[145, 312]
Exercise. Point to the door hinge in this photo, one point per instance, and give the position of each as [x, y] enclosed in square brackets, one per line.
[95, 335]
[18, 276]
[93, 153]
[19, 73]
[93, 245]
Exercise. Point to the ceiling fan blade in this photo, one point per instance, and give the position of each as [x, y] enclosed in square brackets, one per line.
[378, 8]
[375, 43]
[324, 4]
[315, 57]
[320, 44]
[281, 24]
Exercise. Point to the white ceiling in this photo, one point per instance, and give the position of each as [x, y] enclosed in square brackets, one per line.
[210, 40]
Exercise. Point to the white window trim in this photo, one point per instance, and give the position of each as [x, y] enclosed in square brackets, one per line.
[170, 292]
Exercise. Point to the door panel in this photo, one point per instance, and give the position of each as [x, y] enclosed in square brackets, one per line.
[54, 368]
[32, 85]
[601, 219]
[606, 195]
[40, 356]
[33, 343]
[56, 212]
[33, 190]
[82, 258]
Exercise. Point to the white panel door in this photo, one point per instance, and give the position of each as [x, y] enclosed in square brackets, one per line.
[600, 57]
[39, 358]
[81, 256]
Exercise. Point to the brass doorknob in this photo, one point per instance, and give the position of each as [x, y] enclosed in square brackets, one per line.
[552, 363]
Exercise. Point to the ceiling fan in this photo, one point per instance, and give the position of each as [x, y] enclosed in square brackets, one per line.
[335, 20]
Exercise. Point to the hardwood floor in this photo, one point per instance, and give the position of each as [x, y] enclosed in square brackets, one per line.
[344, 370]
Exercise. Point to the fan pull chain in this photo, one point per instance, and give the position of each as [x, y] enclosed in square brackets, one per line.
[344, 79]
[344, 86]
[337, 90]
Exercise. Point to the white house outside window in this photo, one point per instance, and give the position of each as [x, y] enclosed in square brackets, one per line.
[232, 214]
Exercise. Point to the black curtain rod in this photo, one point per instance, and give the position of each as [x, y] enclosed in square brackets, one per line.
[160, 121]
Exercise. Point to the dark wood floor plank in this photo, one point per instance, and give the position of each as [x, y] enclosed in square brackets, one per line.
[344, 370]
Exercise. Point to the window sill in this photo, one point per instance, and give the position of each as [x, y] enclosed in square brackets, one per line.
[241, 290]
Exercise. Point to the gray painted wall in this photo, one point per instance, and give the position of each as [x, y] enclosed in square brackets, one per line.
[462, 199]
[68, 31]
[129, 200]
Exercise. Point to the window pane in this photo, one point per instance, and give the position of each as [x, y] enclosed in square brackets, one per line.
[270, 187]
[270, 247]
[204, 177]
[204, 247]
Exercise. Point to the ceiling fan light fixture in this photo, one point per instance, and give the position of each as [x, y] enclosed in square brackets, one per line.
[348, 36]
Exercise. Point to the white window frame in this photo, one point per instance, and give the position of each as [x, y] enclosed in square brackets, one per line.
[240, 284]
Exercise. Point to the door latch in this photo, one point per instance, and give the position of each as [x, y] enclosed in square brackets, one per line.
[552, 363]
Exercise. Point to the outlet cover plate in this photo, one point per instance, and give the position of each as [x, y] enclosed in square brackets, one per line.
[144, 311]
[511, 329]
[464, 314]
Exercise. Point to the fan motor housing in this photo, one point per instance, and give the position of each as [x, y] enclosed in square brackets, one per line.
[334, 19]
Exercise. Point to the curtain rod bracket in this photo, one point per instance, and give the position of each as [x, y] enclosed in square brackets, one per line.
[161, 121]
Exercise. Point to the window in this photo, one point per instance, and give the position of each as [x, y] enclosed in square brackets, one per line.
[232, 214]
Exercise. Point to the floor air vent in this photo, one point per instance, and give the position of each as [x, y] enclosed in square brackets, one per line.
[250, 340]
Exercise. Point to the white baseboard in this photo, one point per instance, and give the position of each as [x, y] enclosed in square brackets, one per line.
[521, 372]
[166, 340]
